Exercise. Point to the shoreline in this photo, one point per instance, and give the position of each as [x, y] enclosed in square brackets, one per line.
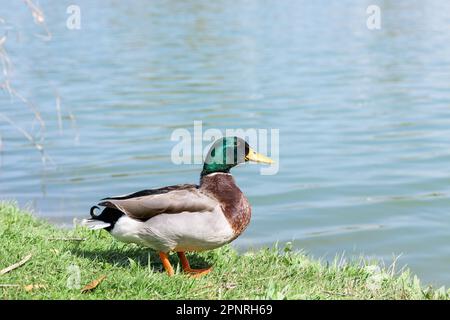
[63, 261]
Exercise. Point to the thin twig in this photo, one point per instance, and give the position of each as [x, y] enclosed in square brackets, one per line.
[9, 285]
[30, 138]
[66, 239]
[7, 85]
[39, 19]
[74, 126]
[58, 113]
[16, 265]
[336, 293]
[1, 150]
[28, 103]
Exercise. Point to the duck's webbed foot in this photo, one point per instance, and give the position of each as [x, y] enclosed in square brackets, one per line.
[187, 268]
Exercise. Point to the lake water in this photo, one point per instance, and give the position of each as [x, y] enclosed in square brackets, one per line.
[364, 115]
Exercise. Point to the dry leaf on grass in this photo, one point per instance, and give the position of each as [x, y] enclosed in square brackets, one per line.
[92, 285]
[34, 286]
[16, 265]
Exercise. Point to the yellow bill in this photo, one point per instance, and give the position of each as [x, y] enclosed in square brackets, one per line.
[252, 155]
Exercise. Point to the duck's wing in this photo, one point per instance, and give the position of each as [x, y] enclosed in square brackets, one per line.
[146, 204]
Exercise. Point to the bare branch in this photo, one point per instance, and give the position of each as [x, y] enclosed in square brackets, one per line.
[58, 113]
[29, 137]
[16, 265]
[39, 19]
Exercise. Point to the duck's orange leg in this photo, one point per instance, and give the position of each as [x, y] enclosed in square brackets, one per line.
[187, 267]
[166, 263]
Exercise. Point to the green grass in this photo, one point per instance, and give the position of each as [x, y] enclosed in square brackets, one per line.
[133, 272]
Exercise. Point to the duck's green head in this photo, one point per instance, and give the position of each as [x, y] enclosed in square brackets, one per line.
[228, 152]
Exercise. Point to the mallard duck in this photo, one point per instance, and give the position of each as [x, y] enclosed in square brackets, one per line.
[185, 217]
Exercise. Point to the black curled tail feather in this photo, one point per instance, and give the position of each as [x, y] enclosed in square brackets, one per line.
[93, 215]
[107, 215]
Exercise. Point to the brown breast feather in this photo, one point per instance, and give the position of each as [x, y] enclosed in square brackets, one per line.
[235, 205]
